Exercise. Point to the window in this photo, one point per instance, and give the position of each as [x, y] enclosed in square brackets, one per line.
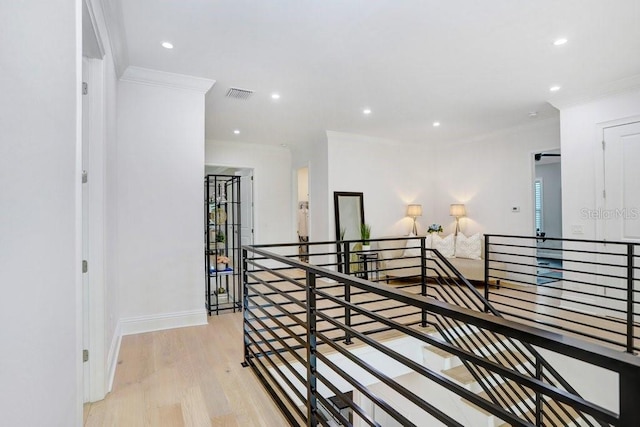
[537, 190]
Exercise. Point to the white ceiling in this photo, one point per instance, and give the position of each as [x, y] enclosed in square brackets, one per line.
[475, 66]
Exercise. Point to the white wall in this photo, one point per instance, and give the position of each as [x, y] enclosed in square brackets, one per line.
[581, 130]
[272, 185]
[390, 175]
[40, 362]
[490, 175]
[159, 164]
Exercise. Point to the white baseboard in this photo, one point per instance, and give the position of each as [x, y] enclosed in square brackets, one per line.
[159, 322]
[112, 357]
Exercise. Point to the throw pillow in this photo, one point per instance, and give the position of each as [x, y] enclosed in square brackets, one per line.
[446, 245]
[468, 247]
[412, 247]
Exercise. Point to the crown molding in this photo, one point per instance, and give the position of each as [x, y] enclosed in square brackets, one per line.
[160, 78]
[628, 84]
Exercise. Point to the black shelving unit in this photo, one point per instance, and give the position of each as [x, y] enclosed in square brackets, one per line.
[222, 243]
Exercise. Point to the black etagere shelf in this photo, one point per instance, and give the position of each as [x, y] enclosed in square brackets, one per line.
[222, 244]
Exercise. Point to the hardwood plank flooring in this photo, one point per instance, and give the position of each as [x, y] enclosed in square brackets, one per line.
[185, 377]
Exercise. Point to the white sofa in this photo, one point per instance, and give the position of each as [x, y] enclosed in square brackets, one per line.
[396, 265]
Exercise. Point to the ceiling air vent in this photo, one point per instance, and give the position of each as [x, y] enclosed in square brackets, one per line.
[237, 93]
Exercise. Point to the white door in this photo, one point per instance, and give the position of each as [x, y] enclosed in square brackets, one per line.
[619, 218]
[246, 208]
[622, 183]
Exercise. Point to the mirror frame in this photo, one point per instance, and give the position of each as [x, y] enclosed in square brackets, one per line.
[337, 197]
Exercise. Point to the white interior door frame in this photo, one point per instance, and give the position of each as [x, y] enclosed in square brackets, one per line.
[601, 204]
[93, 211]
[609, 197]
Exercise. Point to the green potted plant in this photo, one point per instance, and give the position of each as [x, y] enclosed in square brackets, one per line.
[365, 235]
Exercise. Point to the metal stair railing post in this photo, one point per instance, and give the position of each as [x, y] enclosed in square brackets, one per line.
[312, 403]
[245, 304]
[629, 384]
[539, 400]
[347, 292]
[630, 298]
[486, 271]
[423, 276]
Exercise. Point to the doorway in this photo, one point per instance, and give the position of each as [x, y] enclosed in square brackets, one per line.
[302, 213]
[618, 213]
[547, 215]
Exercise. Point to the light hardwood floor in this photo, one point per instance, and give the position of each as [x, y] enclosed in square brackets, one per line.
[186, 377]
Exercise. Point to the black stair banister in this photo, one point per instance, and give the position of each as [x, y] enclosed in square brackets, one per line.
[441, 261]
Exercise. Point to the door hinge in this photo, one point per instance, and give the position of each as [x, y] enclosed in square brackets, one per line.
[604, 194]
[85, 266]
[85, 88]
[85, 177]
[85, 355]
[603, 144]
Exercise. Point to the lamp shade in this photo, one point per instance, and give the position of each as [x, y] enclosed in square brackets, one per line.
[457, 210]
[414, 210]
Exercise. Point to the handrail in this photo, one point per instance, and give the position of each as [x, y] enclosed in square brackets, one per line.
[626, 365]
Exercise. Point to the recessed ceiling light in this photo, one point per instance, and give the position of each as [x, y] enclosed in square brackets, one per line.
[167, 45]
[554, 88]
[560, 42]
[236, 131]
[275, 96]
[366, 111]
[533, 114]
[436, 124]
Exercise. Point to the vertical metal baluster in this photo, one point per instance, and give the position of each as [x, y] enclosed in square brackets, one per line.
[312, 404]
[630, 298]
[486, 271]
[423, 275]
[539, 400]
[347, 293]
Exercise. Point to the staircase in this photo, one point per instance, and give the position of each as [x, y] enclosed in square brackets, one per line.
[552, 413]
[449, 286]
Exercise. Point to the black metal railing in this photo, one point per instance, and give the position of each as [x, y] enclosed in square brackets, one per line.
[450, 286]
[587, 288]
[300, 317]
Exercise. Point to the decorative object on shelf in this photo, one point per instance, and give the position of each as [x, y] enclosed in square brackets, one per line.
[222, 197]
[414, 211]
[365, 235]
[221, 291]
[221, 262]
[434, 228]
[457, 210]
[217, 216]
[220, 236]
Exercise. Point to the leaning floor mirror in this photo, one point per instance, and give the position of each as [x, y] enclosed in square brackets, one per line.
[349, 211]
